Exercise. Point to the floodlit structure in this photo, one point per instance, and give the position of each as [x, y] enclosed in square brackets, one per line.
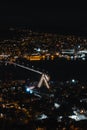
[44, 78]
[77, 116]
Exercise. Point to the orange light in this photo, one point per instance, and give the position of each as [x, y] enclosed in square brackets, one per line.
[35, 57]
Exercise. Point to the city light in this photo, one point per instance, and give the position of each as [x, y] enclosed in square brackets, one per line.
[29, 90]
[73, 81]
[43, 80]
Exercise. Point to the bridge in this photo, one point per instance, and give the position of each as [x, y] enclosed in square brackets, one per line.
[44, 77]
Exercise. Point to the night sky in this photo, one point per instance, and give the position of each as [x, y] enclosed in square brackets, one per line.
[60, 15]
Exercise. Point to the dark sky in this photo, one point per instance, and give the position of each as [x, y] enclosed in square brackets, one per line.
[42, 14]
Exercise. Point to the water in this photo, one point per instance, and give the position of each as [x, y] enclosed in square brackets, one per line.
[57, 69]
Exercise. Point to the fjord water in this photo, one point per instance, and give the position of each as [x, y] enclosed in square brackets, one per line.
[57, 69]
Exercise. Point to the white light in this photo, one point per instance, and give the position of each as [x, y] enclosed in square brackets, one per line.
[38, 49]
[43, 116]
[78, 46]
[83, 58]
[56, 105]
[72, 57]
[31, 91]
[83, 55]
[74, 117]
[13, 88]
[1, 115]
[59, 119]
[78, 117]
[73, 80]
[27, 89]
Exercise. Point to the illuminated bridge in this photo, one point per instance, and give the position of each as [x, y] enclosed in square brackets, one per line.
[44, 77]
